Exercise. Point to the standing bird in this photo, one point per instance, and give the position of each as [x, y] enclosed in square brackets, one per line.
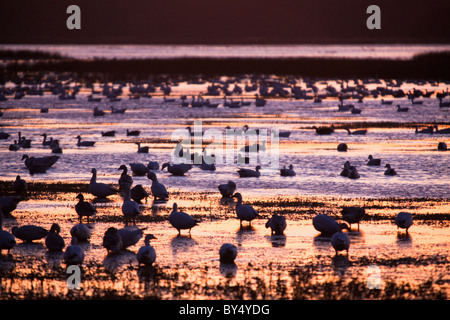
[100, 190]
[340, 242]
[244, 211]
[277, 224]
[20, 186]
[138, 193]
[74, 254]
[404, 220]
[84, 208]
[389, 171]
[227, 190]
[227, 253]
[146, 254]
[130, 208]
[181, 220]
[112, 240]
[53, 241]
[125, 180]
[159, 191]
[7, 240]
[326, 225]
[353, 215]
[29, 233]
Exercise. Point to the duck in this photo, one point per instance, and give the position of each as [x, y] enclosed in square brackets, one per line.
[277, 224]
[81, 232]
[181, 220]
[130, 208]
[125, 180]
[29, 233]
[112, 240]
[353, 215]
[356, 132]
[177, 169]
[340, 242]
[287, 172]
[227, 253]
[20, 186]
[326, 225]
[74, 254]
[138, 193]
[248, 173]
[53, 241]
[142, 149]
[389, 171]
[244, 212]
[84, 143]
[130, 237]
[404, 220]
[98, 189]
[228, 189]
[159, 191]
[133, 133]
[84, 208]
[7, 240]
[373, 161]
[146, 254]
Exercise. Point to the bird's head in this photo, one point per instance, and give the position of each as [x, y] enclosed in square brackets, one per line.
[151, 175]
[80, 196]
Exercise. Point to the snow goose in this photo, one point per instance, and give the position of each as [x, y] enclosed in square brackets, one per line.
[346, 171]
[46, 161]
[74, 254]
[46, 142]
[244, 211]
[353, 215]
[442, 131]
[138, 193]
[142, 149]
[125, 180]
[442, 146]
[340, 242]
[389, 171]
[81, 232]
[133, 133]
[7, 240]
[139, 169]
[181, 220]
[227, 253]
[84, 208]
[99, 190]
[342, 147]
[373, 161]
[177, 169]
[130, 236]
[353, 173]
[326, 225]
[111, 133]
[277, 224]
[402, 109]
[404, 220]
[158, 189]
[426, 130]
[20, 186]
[146, 254]
[153, 165]
[98, 113]
[53, 241]
[29, 233]
[112, 240]
[130, 208]
[324, 130]
[249, 173]
[288, 172]
[84, 143]
[357, 132]
[228, 189]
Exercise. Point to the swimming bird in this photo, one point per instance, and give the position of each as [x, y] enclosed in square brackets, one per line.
[98, 189]
[125, 180]
[20, 186]
[373, 161]
[130, 208]
[426, 130]
[177, 169]
[244, 211]
[400, 109]
[324, 130]
[46, 142]
[357, 132]
[130, 237]
[442, 146]
[442, 131]
[181, 220]
[153, 165]
[138, 193]
[353, 173]
[142, 149]
[159, 191]
[254, 148]
[346, 171]
[29, 233]
[55, 147]
[98, 112]
[146, 254]
[53, 241]
[44, 162]
[112, 240]
[139, 169]
[111, 133]
[133, 132]
[7, 240]
[342, 147]
[340, 242]
[227, 189]
[84, 208]
[326, 225]
[389, 171]
[404, 220]
[353, 215]
[227, 253]
[74, 254]
[84, 143]
[443, 104]
[287, 172]
[248, 173]
[81, 232]
[277, 224]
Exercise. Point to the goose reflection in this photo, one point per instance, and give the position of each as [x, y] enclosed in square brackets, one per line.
[54, 258]
[115, 260]
[404, 240]
[228, 270]
[182, 243]
[146, 274]
[277, 241]
[340, 264]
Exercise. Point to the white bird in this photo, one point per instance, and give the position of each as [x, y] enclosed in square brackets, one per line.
[340, 242]
[7, 240]
[146, 254]
[353, 215]
[181, 220]
[404, 220]
[81, 232]
[327, 225]
[125, 180]
[74, 254]
[277, 224]
[100, 190]
[244, 211]
[227, 190]
[84, 208]
[29, 233]
[112, 240]
[53, 241]
[159, 191]
[227, 253]
[130, 208]
[130, 237]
